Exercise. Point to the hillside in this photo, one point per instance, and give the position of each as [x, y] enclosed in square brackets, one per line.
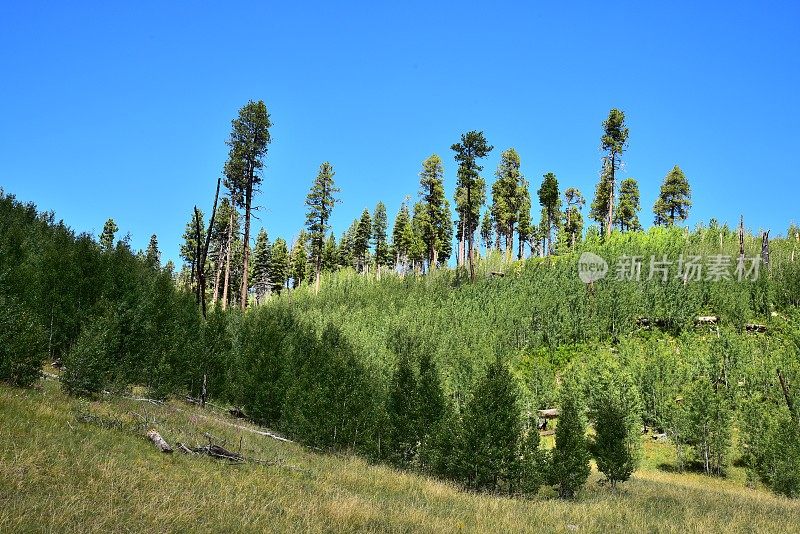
[69, 465]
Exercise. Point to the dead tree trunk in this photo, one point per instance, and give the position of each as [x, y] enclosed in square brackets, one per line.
[158, 441]
[765, 248]
[227, 281]
[741, 240]
[202, 249]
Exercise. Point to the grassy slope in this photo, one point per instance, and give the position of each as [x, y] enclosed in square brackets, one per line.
[59, 474]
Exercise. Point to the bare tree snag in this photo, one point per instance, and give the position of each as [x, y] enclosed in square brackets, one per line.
[158, 441]
[227, 282]
[765, 248]
[741, 239]
[202, 250]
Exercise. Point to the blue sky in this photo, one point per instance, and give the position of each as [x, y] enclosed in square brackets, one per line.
[121, 109]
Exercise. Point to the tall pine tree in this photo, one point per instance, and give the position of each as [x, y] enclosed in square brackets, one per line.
[470, 188]
[674, 200]
[248, 146]
[320, 202]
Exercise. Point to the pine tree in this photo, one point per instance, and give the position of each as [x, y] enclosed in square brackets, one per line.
[570, 461]
[486, 231]
[470, 188]
[248, 143]
[417, 250]
[278, 265]
[615, 410]
[110, 228]
[437, 228]
[626, 216]
[362, 238]
[330, 254]
[534, 461]
[550, 201]
[614, 142]
[674, 200]
[320, 202]
[379, 241]
[508, 197]
[525, 229]
[400, 237]
[299, 260]
[603, 200]
[261, 261]
[224, 238]
[402, 411]
[573, 224]
[152, 256]
[188, 250]
[492, 429]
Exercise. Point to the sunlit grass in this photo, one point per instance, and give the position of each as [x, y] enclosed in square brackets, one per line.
[60, 474]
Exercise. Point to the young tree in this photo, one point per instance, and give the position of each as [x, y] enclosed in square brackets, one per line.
[674, 200]
[261, 261]
[550, 201]
[627, 217]
[320, 202]
[534, 461]
[402, 237]
[574, 220]
[347, 257]
[329, 255]
[470, 188]
[709, 425]
[379, 223]
[486, 231]
[299, 260]
[110, 228]
[226, 227]
[248, 147]
[362, 239]
[402, 411]
[436, 229]
[615, 409]
[188, 250]
[278, 265]
[570, 462]
[492, 432]
[417, 251]
[152, 256]
[430, 395]
[614, 142]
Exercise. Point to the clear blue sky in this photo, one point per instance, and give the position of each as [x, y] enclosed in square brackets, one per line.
[121, 110]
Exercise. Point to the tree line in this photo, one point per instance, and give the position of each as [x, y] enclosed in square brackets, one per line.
[421, 238]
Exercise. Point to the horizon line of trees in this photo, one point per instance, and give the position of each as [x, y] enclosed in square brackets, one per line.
[421, 238]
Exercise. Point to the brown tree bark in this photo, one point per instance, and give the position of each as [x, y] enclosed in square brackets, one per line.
[246, 255]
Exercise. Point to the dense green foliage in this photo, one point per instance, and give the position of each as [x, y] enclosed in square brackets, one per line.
[405, 368]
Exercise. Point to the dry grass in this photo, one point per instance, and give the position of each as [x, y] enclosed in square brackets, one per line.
[60, 474]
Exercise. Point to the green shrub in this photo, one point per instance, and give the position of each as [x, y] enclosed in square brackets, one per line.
[22, 344]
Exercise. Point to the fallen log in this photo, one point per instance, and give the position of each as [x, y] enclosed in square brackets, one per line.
[752, 327]
[707, 319]
[183, 448]
[159, 442]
